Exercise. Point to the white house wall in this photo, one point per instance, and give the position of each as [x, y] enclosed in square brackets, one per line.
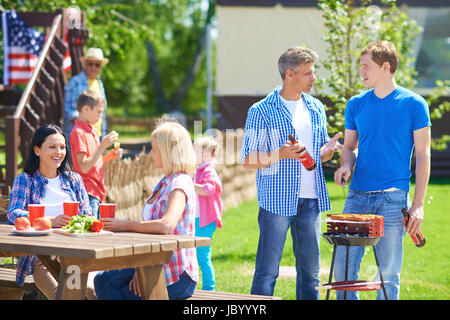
[251, 39]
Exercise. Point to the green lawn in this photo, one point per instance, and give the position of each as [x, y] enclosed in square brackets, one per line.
[425, 273]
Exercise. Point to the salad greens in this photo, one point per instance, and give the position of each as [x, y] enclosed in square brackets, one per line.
[79, 224]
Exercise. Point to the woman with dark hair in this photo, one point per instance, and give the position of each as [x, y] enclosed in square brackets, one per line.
[39, 137]
[49, 179]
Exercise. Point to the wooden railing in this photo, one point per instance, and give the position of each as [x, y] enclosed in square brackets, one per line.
[77, 42]
[41, 102]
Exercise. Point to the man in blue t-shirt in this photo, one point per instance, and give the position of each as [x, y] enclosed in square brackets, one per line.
[385, 124]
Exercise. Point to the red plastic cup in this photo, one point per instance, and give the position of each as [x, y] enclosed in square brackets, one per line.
[36, 211]
[71, 208]
[107, 210]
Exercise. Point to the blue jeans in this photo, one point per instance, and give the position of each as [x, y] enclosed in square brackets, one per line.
[67, 129]
[114, 285]
[305, 231]
[204, 255]
[390, 247]
[95, 205]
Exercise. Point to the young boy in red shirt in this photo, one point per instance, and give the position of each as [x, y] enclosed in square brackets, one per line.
[87, 149]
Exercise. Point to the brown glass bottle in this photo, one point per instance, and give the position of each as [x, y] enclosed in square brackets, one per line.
[309, 163]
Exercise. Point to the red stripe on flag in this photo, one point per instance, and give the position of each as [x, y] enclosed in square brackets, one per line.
[18, 81]
[14, 68]
[21, 56]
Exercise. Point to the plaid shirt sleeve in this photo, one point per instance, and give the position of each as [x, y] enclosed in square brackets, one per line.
[25, 265]
[18, 198]
[255, 133]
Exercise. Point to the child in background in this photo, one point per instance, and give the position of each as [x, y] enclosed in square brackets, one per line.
[208, 188]
[87, 149]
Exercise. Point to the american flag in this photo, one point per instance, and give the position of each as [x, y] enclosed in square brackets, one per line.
[22, 46]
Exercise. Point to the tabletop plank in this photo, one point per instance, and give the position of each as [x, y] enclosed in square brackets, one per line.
[142, 241]
[34, 246]
[167, 243]
[125, 241]
[144, 245]
[57, 244]
[116, 245]
[183, 241]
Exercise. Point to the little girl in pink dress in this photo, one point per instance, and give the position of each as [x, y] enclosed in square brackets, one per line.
[209, 214]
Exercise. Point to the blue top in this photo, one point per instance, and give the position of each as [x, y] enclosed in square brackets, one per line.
[385, 132]
[268, 125]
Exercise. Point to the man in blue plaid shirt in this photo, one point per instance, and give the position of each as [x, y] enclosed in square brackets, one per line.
[288, 194]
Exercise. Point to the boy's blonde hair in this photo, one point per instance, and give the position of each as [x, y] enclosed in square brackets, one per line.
[176, 148]
[207, 143]
[89, 98]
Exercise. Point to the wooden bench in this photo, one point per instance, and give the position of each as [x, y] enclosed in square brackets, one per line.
[215, 295]
[3, 217]
[9, 290]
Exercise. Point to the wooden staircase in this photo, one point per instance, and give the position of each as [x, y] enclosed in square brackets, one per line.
[41, 102]
[9, 96]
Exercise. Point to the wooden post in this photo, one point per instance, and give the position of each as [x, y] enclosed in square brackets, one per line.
[152, 282]
[12, 146]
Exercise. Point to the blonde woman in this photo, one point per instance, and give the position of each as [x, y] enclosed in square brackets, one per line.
[169, 210]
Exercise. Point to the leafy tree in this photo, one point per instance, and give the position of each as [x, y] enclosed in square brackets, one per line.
[349, 29]
[156, 49]
[442, 89]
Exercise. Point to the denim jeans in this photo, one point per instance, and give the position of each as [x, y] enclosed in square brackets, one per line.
[390, 247]
[204, 255]
[305, 231]
[95, 206]
[114, 285]
[67, 129]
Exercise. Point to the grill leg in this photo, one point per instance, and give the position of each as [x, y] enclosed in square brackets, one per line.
[381, 276]
[330, 279]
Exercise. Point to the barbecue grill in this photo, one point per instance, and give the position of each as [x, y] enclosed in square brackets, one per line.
[353, 230]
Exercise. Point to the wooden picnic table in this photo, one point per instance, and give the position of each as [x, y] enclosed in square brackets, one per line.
[80, 255]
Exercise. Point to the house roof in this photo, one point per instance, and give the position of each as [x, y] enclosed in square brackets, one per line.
[313, 3]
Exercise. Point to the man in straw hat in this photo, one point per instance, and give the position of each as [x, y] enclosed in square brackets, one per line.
[88, 79]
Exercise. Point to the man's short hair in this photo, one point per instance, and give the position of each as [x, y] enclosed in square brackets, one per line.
[90, 98]
[381, 52]
[294, 57]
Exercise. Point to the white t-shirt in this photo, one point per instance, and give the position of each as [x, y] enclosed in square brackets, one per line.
[301, 121]
[54, 197]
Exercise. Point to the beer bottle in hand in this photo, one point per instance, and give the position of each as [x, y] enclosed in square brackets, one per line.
[309, 163]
